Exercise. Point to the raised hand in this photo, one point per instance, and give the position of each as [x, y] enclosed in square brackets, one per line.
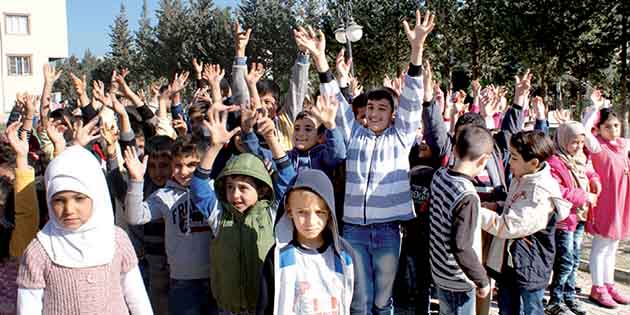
[325, 110]
[180, 126]
[80, 84]
[241, 39]
[213, 74]
[55, 135]
[84, 134]
[135, 168]
[562, 115]
[355, 87]
[98, 92]
[29, 102]
[110, 134]
[255, 73]
[50, 75]
[315, 43]
[267, 129]
[249, 116]
[427, 75]
[522, 88]
[488, 101]
[198, 66]
[343, 67]
[179, 82]
[17, 140]
[538, 105]
[476, 88]
[216, 125]
[418, 35]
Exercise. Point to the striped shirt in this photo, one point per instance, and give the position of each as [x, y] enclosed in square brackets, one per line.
[377, 166]
[447, 191]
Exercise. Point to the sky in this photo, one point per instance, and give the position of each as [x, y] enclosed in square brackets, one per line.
[89, 21]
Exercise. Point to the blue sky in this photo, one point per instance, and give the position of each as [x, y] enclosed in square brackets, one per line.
[89, 21]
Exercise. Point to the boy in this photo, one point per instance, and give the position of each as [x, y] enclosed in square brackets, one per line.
[240, 208]
[455, 226]
[186, 234]
[377, 183]
[522, 252]
[310, 268]
[307, 152]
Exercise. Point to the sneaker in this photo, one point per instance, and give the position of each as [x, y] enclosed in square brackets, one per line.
[616, 295]
[558, 309]
[575, 307]
[600, 296]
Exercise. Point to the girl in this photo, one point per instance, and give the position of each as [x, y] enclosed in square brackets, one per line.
[609, 221]
[569, 169]
[80, 263]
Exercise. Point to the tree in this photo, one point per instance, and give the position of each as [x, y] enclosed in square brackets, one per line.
[144, 40]
[121, 43]
[172, 35]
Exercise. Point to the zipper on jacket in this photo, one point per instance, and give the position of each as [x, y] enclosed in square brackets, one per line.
[368, 183]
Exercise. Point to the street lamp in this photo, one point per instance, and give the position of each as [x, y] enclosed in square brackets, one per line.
[348, 31]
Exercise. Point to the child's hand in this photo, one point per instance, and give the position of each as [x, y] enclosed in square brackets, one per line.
[216, 125]
[325, 110]
[418, 35]
[267, 129]
[213, 74]
[198, 66]
[343, 68]
[50, 75]
[84, 134]
[483, 292]
[54, 134]
[135, 168]
[249, 116]
[255, 73]
[180, 126]
[592, 199]
[80, 84]
[596, 187]
[539, 108]
[522, 87]
[241, 38]
[18, 142]
[111, 135]
[179, 82]
[315, 43]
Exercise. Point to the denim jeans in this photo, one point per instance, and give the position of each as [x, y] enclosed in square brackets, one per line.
[191, 297]
[378, 249]
[516, 301]
[563, 266]
[456, 303]
[569, 288]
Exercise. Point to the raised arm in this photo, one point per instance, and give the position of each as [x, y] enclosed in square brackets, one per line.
[591, 142]
[240, 93]
[325, 111]
[138, 211]
[433, 127]
[298, 83]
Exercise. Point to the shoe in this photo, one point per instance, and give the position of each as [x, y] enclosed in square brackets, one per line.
[558, 309]
[616, 295]
[600, 296]
[575, 307]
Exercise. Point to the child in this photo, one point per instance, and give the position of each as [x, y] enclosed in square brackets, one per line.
[240, 208]
[307, 152]
[186, 234]
[455, 242]
[80, 262]
[522, 252]
[569, 169]
[609, 221]
[310, 268]
[377, 183]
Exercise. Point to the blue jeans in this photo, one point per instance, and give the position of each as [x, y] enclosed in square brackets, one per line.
[456, 303]
[563, 266]
[191, 297]
[516, 301]
[145, 272]
[569, 288]
[378, 249]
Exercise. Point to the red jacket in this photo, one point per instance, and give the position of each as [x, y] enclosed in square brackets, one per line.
[570, 191]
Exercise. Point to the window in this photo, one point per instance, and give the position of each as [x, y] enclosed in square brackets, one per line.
[19, 65]
[17, 24]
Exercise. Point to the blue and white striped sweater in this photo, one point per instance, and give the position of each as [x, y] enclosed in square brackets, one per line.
[377, 167]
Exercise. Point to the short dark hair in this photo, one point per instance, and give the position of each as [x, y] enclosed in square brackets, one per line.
[359, 101]
[302, 115]
[469, 119]
[473, 142]
[606, 114]
[533, 144]
[185, 146]
[267, 87]
[158, 145]
[380, 94]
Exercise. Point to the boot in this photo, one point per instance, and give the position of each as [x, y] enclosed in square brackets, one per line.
[600, 296]
[616, 295]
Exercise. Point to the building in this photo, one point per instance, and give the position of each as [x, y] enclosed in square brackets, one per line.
[32, 33]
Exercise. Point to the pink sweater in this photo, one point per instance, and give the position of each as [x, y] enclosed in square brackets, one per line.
[94, 290]
[611, 217]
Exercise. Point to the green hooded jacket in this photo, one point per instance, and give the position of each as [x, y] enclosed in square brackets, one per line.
[243, 239]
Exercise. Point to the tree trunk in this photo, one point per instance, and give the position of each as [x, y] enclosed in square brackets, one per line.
[625, 112]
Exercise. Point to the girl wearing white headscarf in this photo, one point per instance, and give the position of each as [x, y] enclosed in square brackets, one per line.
[80, 263]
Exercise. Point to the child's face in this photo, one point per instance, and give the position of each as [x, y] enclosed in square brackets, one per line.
[159, 168]
[610, 129]
[576, 145]
[304, 134]
[72, 209]
[520, 167]
[379, 115]
[310, 215]
[269, 103]
[184, 167]
[140, 144]
[241, 192]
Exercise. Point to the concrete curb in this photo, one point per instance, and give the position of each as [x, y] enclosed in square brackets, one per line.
[620, 274]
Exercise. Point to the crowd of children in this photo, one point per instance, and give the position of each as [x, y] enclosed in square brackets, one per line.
[243, 201]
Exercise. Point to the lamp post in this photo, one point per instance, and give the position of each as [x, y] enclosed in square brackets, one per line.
[348, 31]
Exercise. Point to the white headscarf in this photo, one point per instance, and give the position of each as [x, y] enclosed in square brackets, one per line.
[92, 244]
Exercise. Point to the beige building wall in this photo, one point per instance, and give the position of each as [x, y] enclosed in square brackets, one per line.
[46, 40]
